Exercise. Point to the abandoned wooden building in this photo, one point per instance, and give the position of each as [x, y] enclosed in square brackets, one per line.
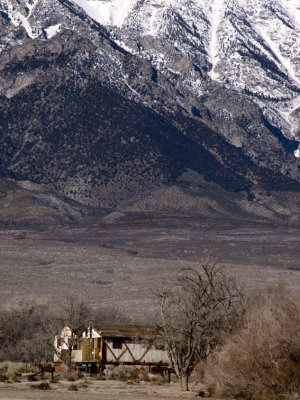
[112, 345]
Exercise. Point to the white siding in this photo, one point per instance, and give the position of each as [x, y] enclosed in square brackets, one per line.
[138, 351]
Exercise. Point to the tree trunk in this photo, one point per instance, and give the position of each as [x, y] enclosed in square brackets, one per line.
[184, 382]
[69, 360]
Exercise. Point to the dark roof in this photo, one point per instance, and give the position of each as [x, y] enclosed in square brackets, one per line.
[125, 331]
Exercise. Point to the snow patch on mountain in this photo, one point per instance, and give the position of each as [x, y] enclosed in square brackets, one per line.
[51, 31]
[217, 11]
[17, 18]
[275, 50]
[30, 5]
[292, 9]
[24, 21]
[152, 27]
[112, 12]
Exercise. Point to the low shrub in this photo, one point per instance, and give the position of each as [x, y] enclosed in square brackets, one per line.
[144, 377]
[83, 384]
[3, 366]
[12, 369]
[262, 360]
[71, 376]
[73, 388]
[16, 368]
[158, 379]
[3, 377]
[55, 379]
[32, 378]
[123, 373]
[130, 382]
[41, 386]
[211, 390]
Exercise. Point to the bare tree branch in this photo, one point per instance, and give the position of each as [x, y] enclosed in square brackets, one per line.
[195, 309]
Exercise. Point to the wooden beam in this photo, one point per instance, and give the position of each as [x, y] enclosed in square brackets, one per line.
[132, 356]
[113, 354]
[146, 351]
[122, 353]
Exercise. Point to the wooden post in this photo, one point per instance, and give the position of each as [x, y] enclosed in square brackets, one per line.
[102, 368]
[169, 375]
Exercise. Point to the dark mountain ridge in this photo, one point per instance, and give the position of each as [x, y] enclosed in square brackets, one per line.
[106, 128]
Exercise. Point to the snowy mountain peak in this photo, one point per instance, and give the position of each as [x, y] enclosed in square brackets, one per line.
[110, 100]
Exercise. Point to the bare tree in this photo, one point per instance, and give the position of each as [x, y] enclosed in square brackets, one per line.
[195, 309]
[73, 318]
[32, 332]
[21, 325]
[25, 334]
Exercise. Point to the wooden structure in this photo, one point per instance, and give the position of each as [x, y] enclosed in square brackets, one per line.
[47, 368]
[115, 345]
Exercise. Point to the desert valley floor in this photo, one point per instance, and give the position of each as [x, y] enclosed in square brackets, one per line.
[115, 262]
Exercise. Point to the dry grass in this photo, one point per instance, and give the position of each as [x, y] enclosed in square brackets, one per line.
[73, 388]
[41, 386]
[95, 390]
[12, 368]
[131, 375]
[11, 371]
[70, 376]
[262, 361]
[123, 373]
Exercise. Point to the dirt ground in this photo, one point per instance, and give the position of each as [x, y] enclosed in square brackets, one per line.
[94, 390]
[116, 264]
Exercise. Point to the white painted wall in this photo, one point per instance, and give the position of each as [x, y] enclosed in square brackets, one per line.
[137, 350]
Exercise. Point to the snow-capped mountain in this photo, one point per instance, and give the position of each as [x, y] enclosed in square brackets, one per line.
[249, 46]
[223, 75]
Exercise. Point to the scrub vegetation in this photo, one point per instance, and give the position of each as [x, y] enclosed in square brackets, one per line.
[261, 360]
[217, 338]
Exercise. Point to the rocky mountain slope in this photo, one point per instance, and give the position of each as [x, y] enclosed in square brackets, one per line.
[149, 104]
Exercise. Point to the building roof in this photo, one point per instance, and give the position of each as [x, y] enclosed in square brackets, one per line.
[125, 331]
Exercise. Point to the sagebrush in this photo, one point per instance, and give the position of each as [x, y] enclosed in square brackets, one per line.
[262, 360]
